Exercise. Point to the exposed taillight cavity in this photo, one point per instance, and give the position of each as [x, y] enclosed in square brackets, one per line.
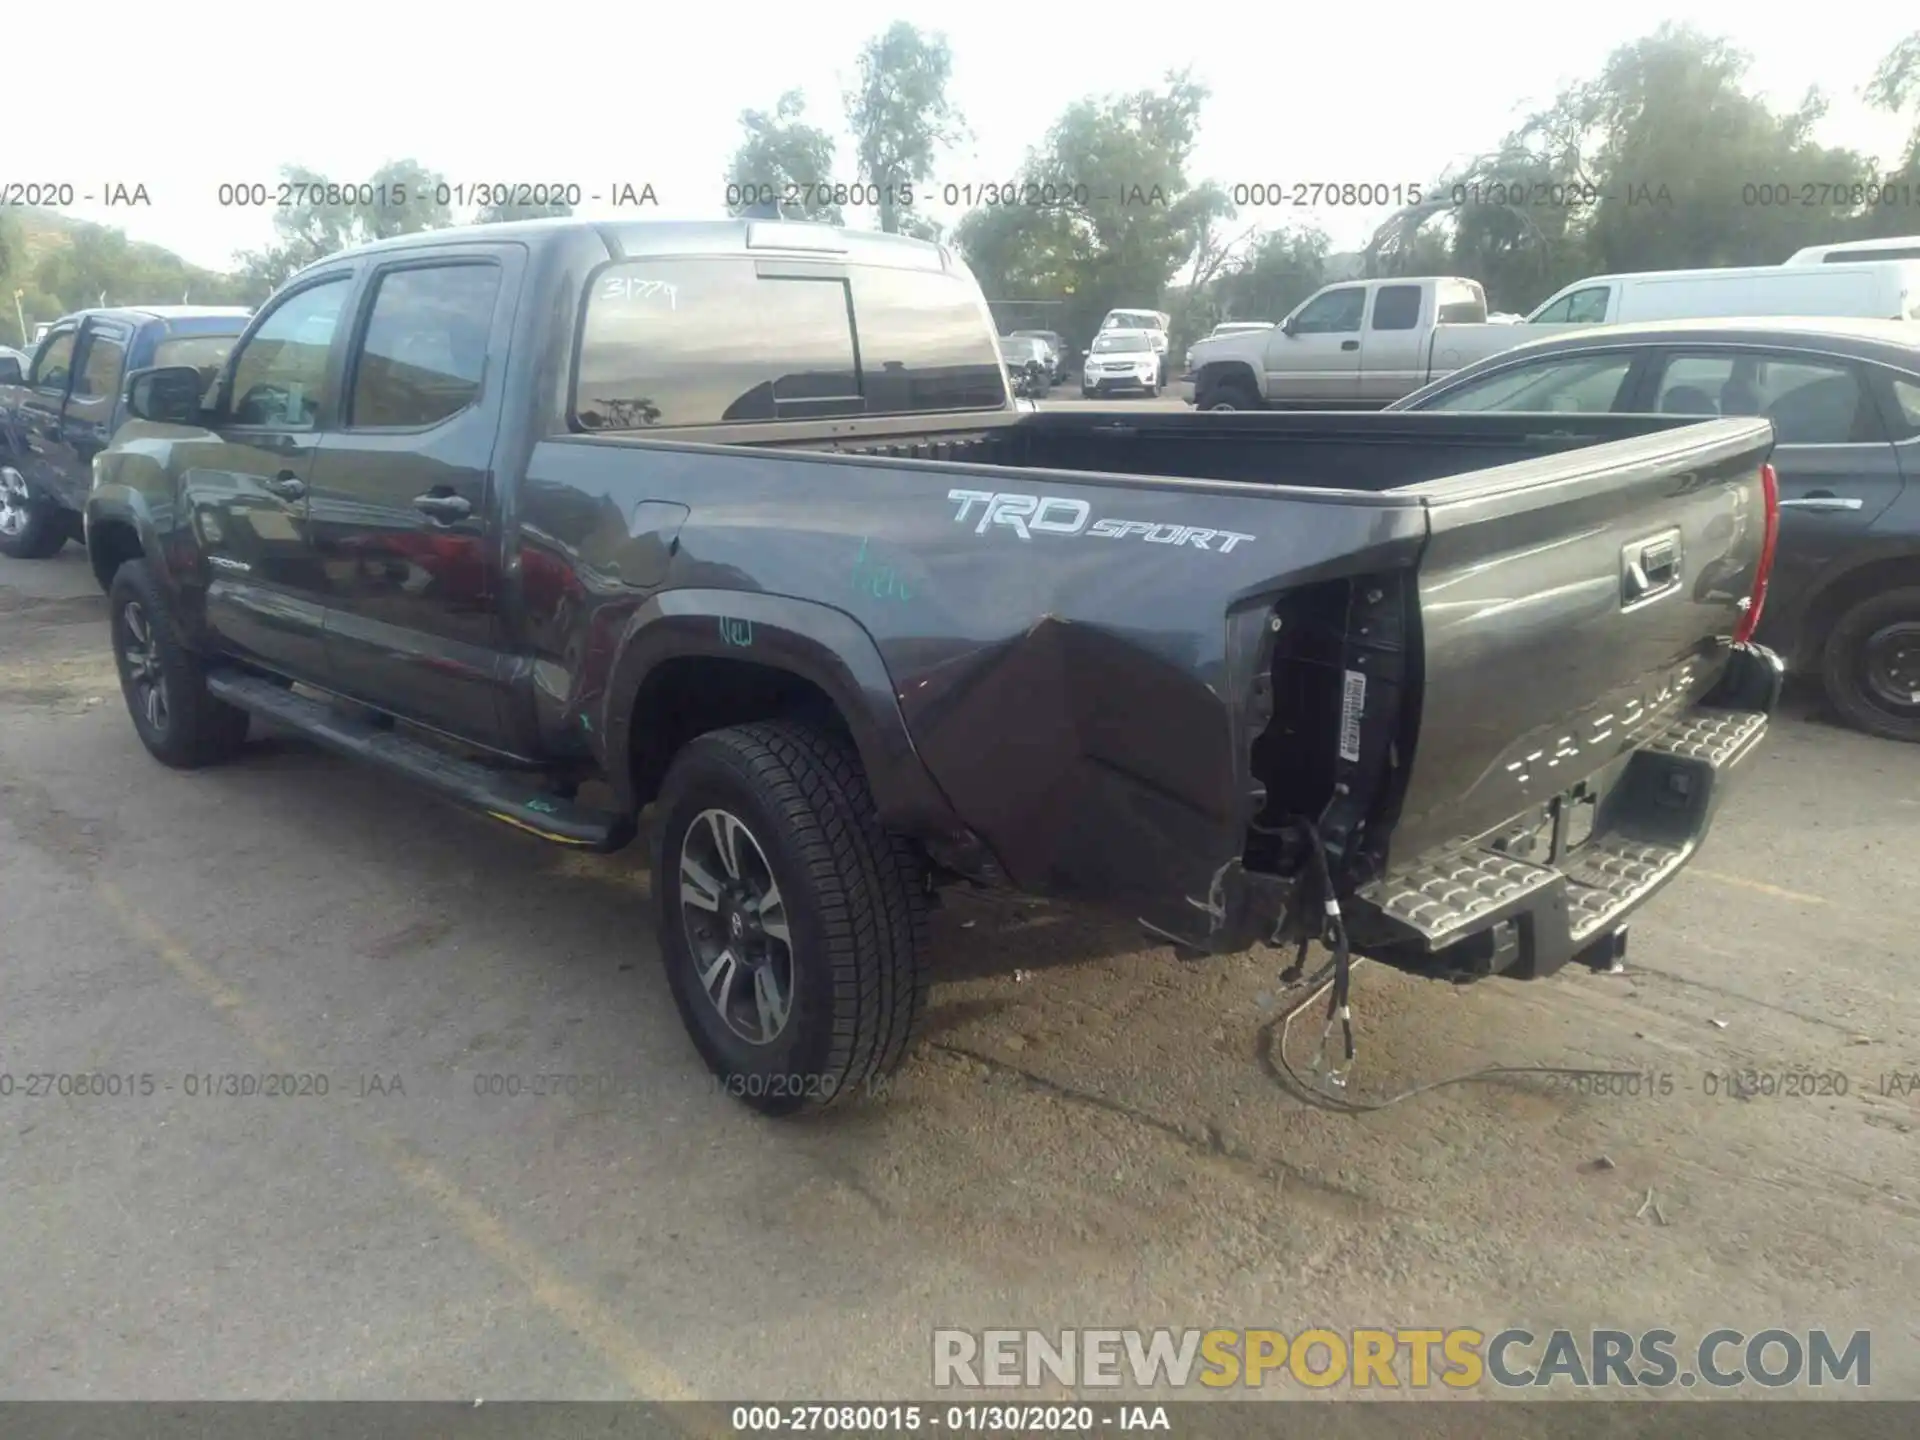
[1770, 489]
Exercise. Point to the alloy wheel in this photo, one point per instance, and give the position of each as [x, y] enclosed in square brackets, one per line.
[14, 502]
[736, 926]
[140, 666]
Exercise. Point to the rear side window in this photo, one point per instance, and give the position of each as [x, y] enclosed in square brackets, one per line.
[724, 341]
[1460, 303]
[1906, 395]
[1396, 307]
[424, 352]
[1809, 402]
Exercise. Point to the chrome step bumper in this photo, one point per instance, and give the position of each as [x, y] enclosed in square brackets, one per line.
[1530, 917]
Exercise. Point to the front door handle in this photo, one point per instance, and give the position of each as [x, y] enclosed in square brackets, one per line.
[1349, 344]
[444, 508]
[287, 485]
[1823, 503]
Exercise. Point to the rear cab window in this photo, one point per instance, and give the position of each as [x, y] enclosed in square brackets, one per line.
[715, 340]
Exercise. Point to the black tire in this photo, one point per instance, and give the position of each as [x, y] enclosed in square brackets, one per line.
[1873, 651]
[854, 906]
[32, 527]
[1227, 395]
[1085, 393]
[189, 727]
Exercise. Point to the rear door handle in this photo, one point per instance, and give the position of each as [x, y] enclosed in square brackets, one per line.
[1824, 503]
[1349, 344]
[444, 508]
[287, 485]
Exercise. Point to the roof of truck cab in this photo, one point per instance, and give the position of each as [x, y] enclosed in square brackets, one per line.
[1895, 341]
[632, 239]
[138, 314]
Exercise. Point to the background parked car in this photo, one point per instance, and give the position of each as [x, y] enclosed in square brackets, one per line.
[1030, 364]
[1863, 288]
[1056, 342]
[1225, 327]
[1122, 360]
[1155, 324]
[1844, 398]
[69, 399]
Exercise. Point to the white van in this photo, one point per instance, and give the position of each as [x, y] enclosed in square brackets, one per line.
[1862, 290]
[1890, 247]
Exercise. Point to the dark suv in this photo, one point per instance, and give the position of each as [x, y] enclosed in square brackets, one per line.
[60, 407]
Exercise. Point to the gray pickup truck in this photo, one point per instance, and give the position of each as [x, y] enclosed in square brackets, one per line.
[60, 406]
[496, 509]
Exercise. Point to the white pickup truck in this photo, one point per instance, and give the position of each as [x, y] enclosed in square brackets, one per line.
[1358, 345]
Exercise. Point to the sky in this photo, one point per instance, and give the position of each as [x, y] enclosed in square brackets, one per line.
[598, 96]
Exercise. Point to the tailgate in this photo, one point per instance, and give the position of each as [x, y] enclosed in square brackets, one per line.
[1572, 608]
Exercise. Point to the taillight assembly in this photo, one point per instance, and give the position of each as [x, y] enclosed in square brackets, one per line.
[1770, 488]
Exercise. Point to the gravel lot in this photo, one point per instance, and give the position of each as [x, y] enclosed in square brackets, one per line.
[1089, 1134]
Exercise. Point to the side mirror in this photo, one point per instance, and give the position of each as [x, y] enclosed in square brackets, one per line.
[166, 394]
[1289, 327]
[10, 373]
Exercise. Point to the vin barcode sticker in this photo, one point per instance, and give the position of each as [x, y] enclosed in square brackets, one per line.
[1351, 704]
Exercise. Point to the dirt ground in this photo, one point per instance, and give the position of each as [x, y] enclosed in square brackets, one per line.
[1091, 1132]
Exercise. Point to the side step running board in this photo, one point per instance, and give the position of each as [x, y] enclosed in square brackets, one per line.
[513, 798]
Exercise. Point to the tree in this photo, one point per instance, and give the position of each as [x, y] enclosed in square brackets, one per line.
[1896, 87]
[1115, 214]
[784, 157]
[1661, 161]
[496, 213]
[900, 115]
[1283, 267]
[402, 197]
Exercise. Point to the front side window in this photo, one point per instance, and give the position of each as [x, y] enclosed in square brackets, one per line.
[1396, 307]
[1335, 313]
[1582, 307]
[1576, 385]
[280, 376]
[205, 353]
[101, 360]
[53, 365]
[424, 352]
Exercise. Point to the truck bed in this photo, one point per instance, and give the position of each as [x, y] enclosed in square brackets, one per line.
[1221, 621]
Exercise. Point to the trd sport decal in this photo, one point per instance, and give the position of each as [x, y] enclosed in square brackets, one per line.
[1030, 515]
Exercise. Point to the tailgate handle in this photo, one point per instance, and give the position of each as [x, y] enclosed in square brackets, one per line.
[1649, 567]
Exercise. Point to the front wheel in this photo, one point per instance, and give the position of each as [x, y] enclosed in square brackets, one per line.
[793, 927]
[165, 684]
[1227, 395]
[32, 527]
[1871, 667]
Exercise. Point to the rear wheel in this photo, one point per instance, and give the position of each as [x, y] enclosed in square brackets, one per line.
[165, 684]
[32, 527]
[1871, 666]
[791, 924]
